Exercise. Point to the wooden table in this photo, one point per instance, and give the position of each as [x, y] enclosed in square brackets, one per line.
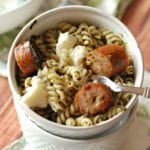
[137, 18]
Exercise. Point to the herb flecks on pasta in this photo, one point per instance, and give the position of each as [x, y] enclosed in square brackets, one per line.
[65, 69]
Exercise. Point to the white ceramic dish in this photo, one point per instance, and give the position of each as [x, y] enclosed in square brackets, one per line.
[39, 139]
[18, 15]
[75, 14]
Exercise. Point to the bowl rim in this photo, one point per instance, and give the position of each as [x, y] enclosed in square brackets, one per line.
[114, 131]
[10, 58]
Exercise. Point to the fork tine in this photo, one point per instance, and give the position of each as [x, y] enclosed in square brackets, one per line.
[115, 87]
[99, 78]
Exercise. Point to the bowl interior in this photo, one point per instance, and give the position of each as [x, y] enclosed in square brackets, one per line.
[75, 14]
[118, 129]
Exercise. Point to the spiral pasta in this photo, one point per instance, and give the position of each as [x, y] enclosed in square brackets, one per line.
[87, 35]
[114, 111]
[84, 121]
[70, 122]
[99, 118]
[79, 75]
[63, 78]
[110, 37]
[68, 116]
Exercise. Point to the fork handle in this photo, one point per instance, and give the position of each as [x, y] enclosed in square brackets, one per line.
[145, 91]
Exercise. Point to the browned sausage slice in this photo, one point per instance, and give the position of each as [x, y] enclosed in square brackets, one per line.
[25, 58]
[93, 98]
[108, 60]
[99, 63]
[117, 56]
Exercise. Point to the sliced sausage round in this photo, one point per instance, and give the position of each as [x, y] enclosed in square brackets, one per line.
[117, 56]
[93, 98]
[108, 60]
[25, 58]
[99, 63]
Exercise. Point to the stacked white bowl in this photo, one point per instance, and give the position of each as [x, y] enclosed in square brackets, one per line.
[44, 134]
[16, 13]
[39, 139]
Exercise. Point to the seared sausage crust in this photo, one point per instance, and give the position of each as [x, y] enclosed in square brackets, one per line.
[99, 63]
[108, 60]
[93, 98]
[25, 58]
[117, 56]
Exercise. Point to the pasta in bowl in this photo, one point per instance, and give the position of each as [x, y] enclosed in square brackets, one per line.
[55, 65]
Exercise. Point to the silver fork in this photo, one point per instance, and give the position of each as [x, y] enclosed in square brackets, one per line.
[144, 91]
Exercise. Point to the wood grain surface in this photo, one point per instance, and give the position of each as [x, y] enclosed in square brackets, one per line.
[9, 125]
[137, 19]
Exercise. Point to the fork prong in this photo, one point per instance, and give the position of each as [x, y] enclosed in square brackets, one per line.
[113, 86]
[94, 77]
[99, 78]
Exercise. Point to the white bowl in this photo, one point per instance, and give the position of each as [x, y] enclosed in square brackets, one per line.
[18, 15]
[75, 14]
[39, 139]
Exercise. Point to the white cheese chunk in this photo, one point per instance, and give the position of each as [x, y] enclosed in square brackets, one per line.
[77, 54]
[65, 41]
[36, 95]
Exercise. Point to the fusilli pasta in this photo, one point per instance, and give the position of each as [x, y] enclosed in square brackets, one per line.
[63, 79]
